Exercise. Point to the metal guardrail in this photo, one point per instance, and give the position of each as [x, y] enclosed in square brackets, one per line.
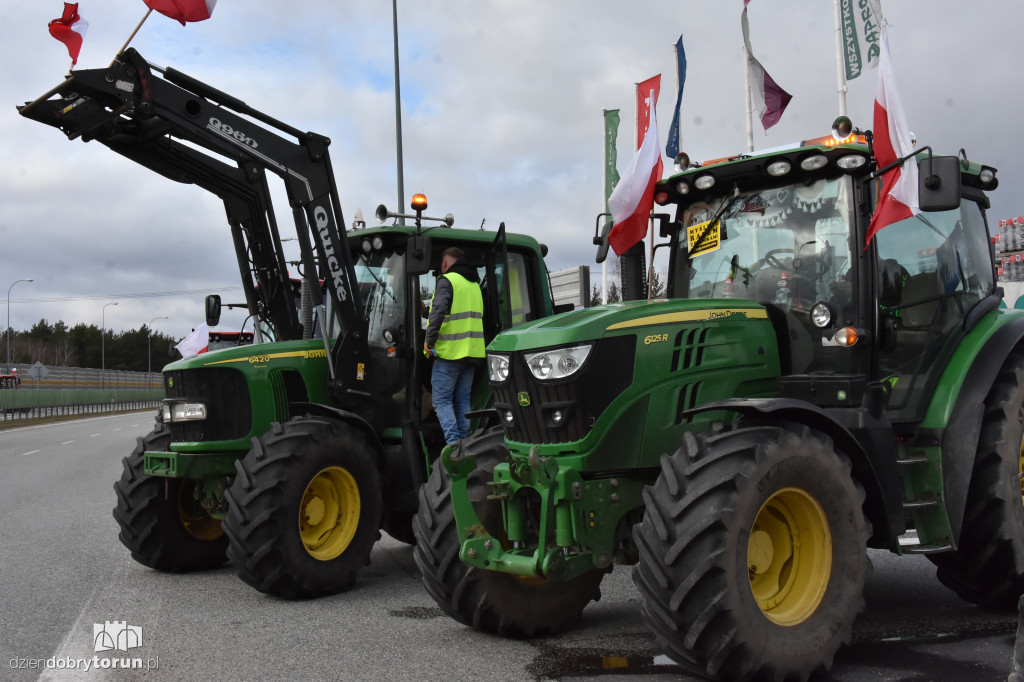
[28, 404]
[86, 378]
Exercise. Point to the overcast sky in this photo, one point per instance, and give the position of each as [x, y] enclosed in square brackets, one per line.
[502, 117]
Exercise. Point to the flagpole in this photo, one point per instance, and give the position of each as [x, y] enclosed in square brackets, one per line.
[840, 63]
[750, 106]
[604, 202]
[125, 46]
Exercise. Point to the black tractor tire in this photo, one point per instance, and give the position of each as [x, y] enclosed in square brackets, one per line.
[489, 601]
[161, 522]
[304, 509]
[753, 552]
[988, 566]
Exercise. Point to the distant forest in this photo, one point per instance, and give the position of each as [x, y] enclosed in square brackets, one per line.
[57, 345]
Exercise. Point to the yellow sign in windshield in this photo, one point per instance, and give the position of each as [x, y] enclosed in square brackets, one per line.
[700, 239]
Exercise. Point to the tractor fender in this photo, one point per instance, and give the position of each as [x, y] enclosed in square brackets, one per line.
[351, 418]
[863, 434]
[963, 427]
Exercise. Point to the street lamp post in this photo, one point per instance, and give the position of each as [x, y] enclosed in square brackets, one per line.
[149, 347]
[9, 323]
[103, 350]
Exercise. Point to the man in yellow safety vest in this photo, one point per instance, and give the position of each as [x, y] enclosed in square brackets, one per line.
[455, 339]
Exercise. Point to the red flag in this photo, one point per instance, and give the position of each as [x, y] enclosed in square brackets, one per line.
[892, 141]
[633, 198]
[70, 30]
[646, 98]
[183, 10]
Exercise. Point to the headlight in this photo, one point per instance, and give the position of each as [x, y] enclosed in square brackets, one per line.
[497, 365]
[557, 364]
[814, 162]
[821, 315]
[184, 412]
[779, 168]
[851, 161]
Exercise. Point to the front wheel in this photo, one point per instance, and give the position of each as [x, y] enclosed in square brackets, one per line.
[161, 521]
[304, 509]
[499, 603]
[753, 553]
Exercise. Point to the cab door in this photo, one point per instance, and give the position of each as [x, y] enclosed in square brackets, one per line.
[933, 269]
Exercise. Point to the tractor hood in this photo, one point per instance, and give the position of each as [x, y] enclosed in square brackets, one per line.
[615, 319]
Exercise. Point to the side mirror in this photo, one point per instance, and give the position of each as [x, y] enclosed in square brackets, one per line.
[417, 255]
[213, 310]
[939, 183]
[601, 242]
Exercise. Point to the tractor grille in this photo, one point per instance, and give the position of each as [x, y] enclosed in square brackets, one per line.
[228, 409]
[580, 398]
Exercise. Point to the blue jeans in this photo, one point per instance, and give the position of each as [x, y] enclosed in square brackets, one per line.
[452, 385]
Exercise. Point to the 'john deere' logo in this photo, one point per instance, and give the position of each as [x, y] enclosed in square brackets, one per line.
[524, 399]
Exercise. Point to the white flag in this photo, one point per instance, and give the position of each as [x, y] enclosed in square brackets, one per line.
[195, 343]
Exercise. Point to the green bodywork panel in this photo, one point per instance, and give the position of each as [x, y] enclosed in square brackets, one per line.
[258, 363]
[687, 352]
[941, 408]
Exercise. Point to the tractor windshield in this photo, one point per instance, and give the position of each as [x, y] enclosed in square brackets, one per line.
[787, 246]
[379, 275]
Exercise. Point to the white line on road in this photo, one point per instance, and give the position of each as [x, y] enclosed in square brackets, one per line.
[30, 452]
[67, 442]
[93, 435]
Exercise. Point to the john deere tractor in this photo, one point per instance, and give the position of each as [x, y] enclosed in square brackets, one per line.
[802, 394]
[286, 456]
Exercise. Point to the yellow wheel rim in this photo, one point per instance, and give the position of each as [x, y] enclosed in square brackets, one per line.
[329, 513]
[197, 522]
[789, 556]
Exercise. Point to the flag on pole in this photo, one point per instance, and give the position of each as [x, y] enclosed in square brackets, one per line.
[633, 197]
[769, 99]
[871, 14]
[611, 157]
[70, 30]
[646, 99]
[183, 10]
[195, 343]
[892, 141]
[672, 146]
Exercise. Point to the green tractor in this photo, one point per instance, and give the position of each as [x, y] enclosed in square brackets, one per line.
[801, 395]
[289, 455]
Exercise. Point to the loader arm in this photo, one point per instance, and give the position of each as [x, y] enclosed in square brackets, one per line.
[190, 132]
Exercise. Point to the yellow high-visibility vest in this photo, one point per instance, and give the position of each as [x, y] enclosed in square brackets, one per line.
[462, 331]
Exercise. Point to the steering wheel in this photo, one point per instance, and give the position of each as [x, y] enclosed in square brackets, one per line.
[771, 260]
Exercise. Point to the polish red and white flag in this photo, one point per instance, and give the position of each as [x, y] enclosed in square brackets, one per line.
[633, 198]
[183, 10]
[70, 30]
[195, 343]
[892, 141]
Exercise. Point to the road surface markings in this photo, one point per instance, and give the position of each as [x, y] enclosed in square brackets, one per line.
[30, 452]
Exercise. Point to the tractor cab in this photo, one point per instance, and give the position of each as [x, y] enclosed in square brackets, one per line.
[788, 229]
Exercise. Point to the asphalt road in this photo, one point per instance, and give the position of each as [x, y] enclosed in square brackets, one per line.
[63, 573]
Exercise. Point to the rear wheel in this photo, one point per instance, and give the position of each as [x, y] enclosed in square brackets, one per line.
[753, 553]
[988, 566]
[161, 521]
[304, 509]
[499, 603]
